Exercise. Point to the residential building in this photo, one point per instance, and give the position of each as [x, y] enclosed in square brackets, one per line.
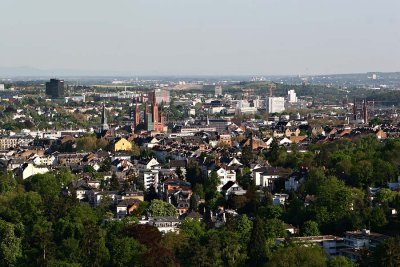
[29, 170]
[164, 224]
[266, 176]
[225, 175]
[149, 172]
[121, 144]
[332, 245]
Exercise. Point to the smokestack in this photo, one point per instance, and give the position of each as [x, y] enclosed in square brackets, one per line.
[365, 111]
[355, 109]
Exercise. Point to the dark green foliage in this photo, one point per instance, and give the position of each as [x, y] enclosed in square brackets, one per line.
[340, 261]
[257, 250]
[387, 253]
[310, 228]
[298, 256]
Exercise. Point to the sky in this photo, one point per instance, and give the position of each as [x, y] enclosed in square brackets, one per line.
[201, 37]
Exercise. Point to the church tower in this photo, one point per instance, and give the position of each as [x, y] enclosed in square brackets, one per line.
[104, 125]
[136, 118]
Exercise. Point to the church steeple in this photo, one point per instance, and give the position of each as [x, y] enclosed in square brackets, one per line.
[104, 124]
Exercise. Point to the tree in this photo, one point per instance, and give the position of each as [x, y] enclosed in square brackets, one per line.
[273, 154]
[89, 168]
[156, 254]
[86, 143]
[194, 200]
[244, 226]
[179, 172]
[126, 251]
[232, 249]
[244, 177]
[46, 185]
[211, 185]
[193, 173]
[135, 150]
[316, 177]
[387, 253]
[257, 250]
[93, 248]
[274, 228]
[341, 261]
[7, 182]
[198, 189]
[270, 212]
[194, 229]
[362, 173]
[385, 195]
[375, 121]
[384, 172]
[377, 218]
[105, 165]
[333, 204]
[299, 256]
[114, 183]
[247, 155]
[237, 202]
[310, 228]
[160, 208]
[101, 143]
[41, 241]
[10, 244]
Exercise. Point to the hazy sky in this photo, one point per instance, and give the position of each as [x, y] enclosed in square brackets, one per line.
[185, 37]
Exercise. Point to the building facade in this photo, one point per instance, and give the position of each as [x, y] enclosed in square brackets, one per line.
[275, 104]
[55, 88]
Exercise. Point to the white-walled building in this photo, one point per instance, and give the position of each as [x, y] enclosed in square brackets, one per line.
[149, 172]
[225, 176]
[30, 170]
[275, 104]
[265, 176]
[292, 97]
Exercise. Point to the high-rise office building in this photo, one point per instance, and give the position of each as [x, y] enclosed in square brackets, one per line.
[161, 96]
[292, 97]
[218, 90]
[275, 104]
[55, 88]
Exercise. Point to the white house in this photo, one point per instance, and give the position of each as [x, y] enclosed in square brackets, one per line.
[43, 161]
[285, 141]
[265, 176]
[30, 170]
[164, 224]
[224, 176]
[232, 188]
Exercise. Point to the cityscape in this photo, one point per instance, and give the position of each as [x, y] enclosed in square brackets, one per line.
[202, 164]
